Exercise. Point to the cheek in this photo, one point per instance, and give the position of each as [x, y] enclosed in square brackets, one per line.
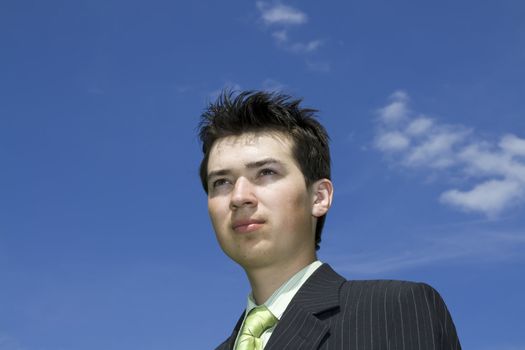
[293, 206]
[216, 213]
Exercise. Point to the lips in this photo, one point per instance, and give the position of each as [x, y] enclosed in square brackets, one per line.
[247, 225]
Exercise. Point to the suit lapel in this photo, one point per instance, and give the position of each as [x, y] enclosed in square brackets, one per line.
[301, 326]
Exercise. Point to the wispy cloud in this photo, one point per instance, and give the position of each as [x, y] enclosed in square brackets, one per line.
[266, 85]
[305, 47]
[494, 170]
[318, 66]
[279, 18]
[487, 247]
[281, 36]
[229, 85]
[281, 14]
[273, 85]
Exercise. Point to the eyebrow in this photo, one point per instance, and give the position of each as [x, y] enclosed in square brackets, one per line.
[250, 165]
[261, 163]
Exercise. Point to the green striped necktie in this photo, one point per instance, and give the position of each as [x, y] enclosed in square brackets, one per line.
[259, 319]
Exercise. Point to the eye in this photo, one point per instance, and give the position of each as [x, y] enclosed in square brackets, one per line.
[267, 171]
[219, 183]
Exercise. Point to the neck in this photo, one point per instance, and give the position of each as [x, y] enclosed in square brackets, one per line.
[266, 280]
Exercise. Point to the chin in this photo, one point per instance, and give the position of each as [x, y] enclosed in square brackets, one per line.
[252, 260]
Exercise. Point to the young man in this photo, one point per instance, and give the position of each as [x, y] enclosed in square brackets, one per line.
[266, 170]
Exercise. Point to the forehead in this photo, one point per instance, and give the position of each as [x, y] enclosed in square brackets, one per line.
[250, 147]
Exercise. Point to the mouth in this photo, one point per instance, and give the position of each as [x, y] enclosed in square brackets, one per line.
[246, 226]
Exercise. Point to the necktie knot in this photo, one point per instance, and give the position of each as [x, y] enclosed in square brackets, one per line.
[259, 320]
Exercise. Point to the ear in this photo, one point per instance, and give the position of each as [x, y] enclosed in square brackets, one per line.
[322, 193]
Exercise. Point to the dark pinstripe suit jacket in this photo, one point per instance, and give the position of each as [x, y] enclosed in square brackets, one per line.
[331, 313]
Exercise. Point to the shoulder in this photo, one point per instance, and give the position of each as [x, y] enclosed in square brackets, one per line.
[394, 295]
[390, 295]
[410, 309]
[392, 291]
[388, 287]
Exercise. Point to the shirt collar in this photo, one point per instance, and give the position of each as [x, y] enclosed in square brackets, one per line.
[280, 299]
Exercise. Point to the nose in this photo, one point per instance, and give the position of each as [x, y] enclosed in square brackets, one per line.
[242, 194]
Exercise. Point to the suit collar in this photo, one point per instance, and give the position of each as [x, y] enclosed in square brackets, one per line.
[320, 292]
[302, 326]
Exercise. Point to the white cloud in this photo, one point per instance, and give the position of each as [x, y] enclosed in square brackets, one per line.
[280, 17]
[419, 126]
[497, 169]
[489, 197]
[476, 247]
[392, 141]
[513, 145]
[281, 14]
[436, 150]
[481, 159]
[280, 35]
[399, 95]
[395, 111]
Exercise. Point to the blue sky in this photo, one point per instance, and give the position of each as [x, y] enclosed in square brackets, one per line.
[105, 241]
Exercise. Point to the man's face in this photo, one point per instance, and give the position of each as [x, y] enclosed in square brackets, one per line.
[258, 202]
